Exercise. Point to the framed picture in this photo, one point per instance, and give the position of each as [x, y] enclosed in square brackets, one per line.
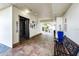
[65, 24]
[33, 24]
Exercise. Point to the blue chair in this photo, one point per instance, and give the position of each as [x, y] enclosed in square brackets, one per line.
[60, 36]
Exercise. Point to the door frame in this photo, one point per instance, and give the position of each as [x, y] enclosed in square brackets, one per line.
[19, 27]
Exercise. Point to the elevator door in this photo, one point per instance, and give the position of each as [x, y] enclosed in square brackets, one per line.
[24, 28]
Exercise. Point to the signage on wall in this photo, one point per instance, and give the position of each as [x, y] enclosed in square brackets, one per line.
[16, 26]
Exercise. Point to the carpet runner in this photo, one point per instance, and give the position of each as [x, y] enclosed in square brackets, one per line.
[67, 48]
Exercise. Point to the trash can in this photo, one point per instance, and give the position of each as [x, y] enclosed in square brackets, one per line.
[60, 36]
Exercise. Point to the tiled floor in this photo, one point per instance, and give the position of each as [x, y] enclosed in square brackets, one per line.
[42, 45]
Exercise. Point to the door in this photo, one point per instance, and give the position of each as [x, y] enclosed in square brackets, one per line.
[24, 28]
[27, 28]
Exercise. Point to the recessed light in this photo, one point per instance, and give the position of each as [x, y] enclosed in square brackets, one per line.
[27, 11]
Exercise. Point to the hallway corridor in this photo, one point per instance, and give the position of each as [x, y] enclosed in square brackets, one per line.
[22, 23]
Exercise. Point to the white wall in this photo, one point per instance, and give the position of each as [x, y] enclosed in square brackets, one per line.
[6, 26]
[36, 30]
[72, 16]
[15, 18]
[59, 21]
[16, 13]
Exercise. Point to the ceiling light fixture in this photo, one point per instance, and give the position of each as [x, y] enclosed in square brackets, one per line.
[27, 11]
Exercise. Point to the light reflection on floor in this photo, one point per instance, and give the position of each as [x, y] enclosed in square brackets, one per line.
[5, 50]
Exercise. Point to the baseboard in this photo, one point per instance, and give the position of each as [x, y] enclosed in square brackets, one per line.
[16, 44]
[35, 35]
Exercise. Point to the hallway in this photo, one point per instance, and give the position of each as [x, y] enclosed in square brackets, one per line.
[26, 20]
[41, 45]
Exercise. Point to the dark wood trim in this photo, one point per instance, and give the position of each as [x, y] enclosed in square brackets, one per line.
[16, 44]
[35, 35]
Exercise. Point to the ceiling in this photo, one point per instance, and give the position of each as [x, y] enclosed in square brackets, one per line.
[44, 10]
[60, 8]
[4, 5]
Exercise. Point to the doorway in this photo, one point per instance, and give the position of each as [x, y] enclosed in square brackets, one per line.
[24, 28]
